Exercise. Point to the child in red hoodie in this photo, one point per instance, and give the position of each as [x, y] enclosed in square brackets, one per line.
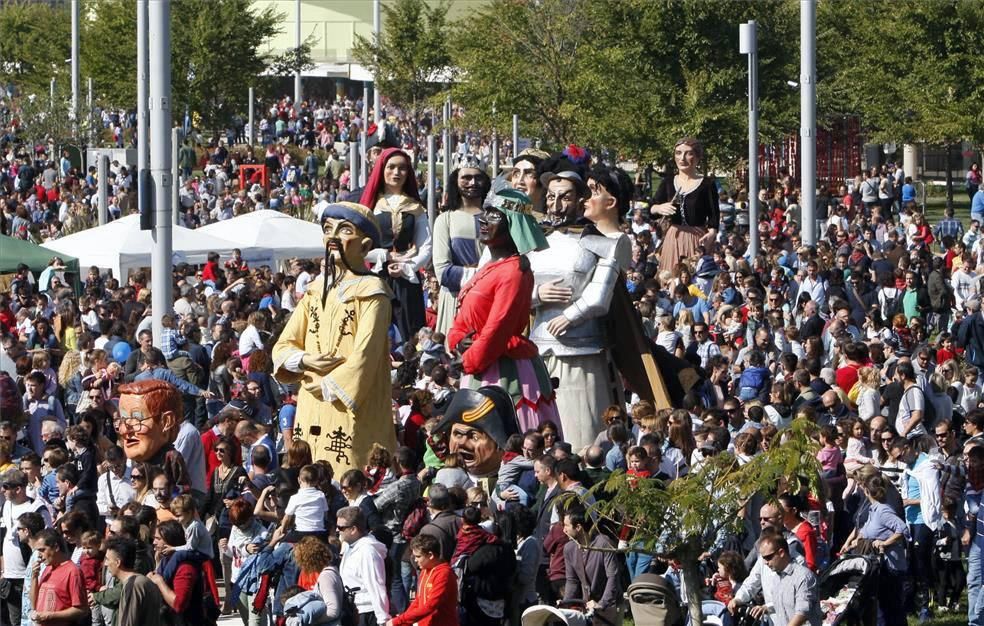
[436, 602]
[91, 565]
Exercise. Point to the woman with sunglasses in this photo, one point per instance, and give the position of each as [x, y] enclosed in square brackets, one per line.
[224, 486]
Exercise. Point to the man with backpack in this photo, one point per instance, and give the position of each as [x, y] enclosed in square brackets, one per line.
[909, 421]
[363, 567]
[486, 566]
[404, 513]
[444, 523]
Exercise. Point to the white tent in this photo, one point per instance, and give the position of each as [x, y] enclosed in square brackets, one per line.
[121, 246]
[269, 237]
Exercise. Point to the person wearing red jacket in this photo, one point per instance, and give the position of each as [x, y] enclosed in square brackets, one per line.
[436, 603]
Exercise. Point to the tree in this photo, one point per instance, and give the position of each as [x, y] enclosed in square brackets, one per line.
[215, 52]
[292, 60]
[921, 83]
[35, 43]
[411, 55]
[632, 76]
[682, 520]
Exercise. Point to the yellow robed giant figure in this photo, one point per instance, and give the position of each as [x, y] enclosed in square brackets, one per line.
[337, 346]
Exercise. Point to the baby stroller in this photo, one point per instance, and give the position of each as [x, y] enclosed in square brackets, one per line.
[654, 602]
[847, 587]
[546, 615]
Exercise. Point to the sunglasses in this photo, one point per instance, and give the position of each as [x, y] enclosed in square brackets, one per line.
[136, 476]
[8, 486]
[769, 557]
[341, 528]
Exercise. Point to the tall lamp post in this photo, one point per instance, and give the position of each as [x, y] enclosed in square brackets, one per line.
[808, 119]
[748, 45]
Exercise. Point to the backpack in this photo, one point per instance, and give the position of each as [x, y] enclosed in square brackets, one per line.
[929, 410]
[350, 614]
[417, 517]
[893, 305]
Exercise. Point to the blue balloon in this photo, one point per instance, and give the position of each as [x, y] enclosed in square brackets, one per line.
[121, 351]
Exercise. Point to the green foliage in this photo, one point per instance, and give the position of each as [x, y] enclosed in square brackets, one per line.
[683, 519]
[911, 70]
[293, 60]
[35, 43]
[632, 75]
[411, 53]
[215, 53]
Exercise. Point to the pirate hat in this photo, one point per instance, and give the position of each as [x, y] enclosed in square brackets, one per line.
[489, 409]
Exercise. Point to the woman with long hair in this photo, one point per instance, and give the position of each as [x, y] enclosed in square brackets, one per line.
[319, 572]
[869, 393]
[688, 201]
[405, 249]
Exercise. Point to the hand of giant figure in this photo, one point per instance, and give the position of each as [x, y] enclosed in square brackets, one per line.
[336, 346]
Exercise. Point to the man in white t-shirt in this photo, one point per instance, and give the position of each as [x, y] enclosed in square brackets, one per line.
[15, 554]
[964, 282]
[302, 268]
[912, 406]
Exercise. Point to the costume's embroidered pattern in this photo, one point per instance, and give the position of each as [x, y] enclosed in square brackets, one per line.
[316, 326]
[338, 443]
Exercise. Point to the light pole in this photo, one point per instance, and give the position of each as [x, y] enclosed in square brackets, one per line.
[75, 67]
[748, 45]
[252, 99]
[376, 98]
[446, 140]
[159, 21]
[144, 185]
[515, 136]
[297, 76]
[364, 137]
[495, 146]
[808, 119]
[431, 179]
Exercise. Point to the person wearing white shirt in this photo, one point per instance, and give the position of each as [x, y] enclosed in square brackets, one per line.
[363, 566]
[113, 488]
[814, 285]
[306, 509]
[964, 282]
[189, 444]
[14, 559]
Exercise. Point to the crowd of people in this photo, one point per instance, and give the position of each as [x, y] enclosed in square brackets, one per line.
[875, 334]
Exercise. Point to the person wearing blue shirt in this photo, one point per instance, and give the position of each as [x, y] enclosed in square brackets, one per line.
[152, 368]
[908, 191]
[685, 300]
[977, 206]
[922, 535]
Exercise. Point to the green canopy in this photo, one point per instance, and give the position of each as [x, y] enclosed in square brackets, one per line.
[13, 252]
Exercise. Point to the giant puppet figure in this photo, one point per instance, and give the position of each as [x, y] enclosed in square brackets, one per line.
[151, 412]
[336, 345]
[456, 246]
[476, 426]
[403, 246]
[575, 280]
[493, 312]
